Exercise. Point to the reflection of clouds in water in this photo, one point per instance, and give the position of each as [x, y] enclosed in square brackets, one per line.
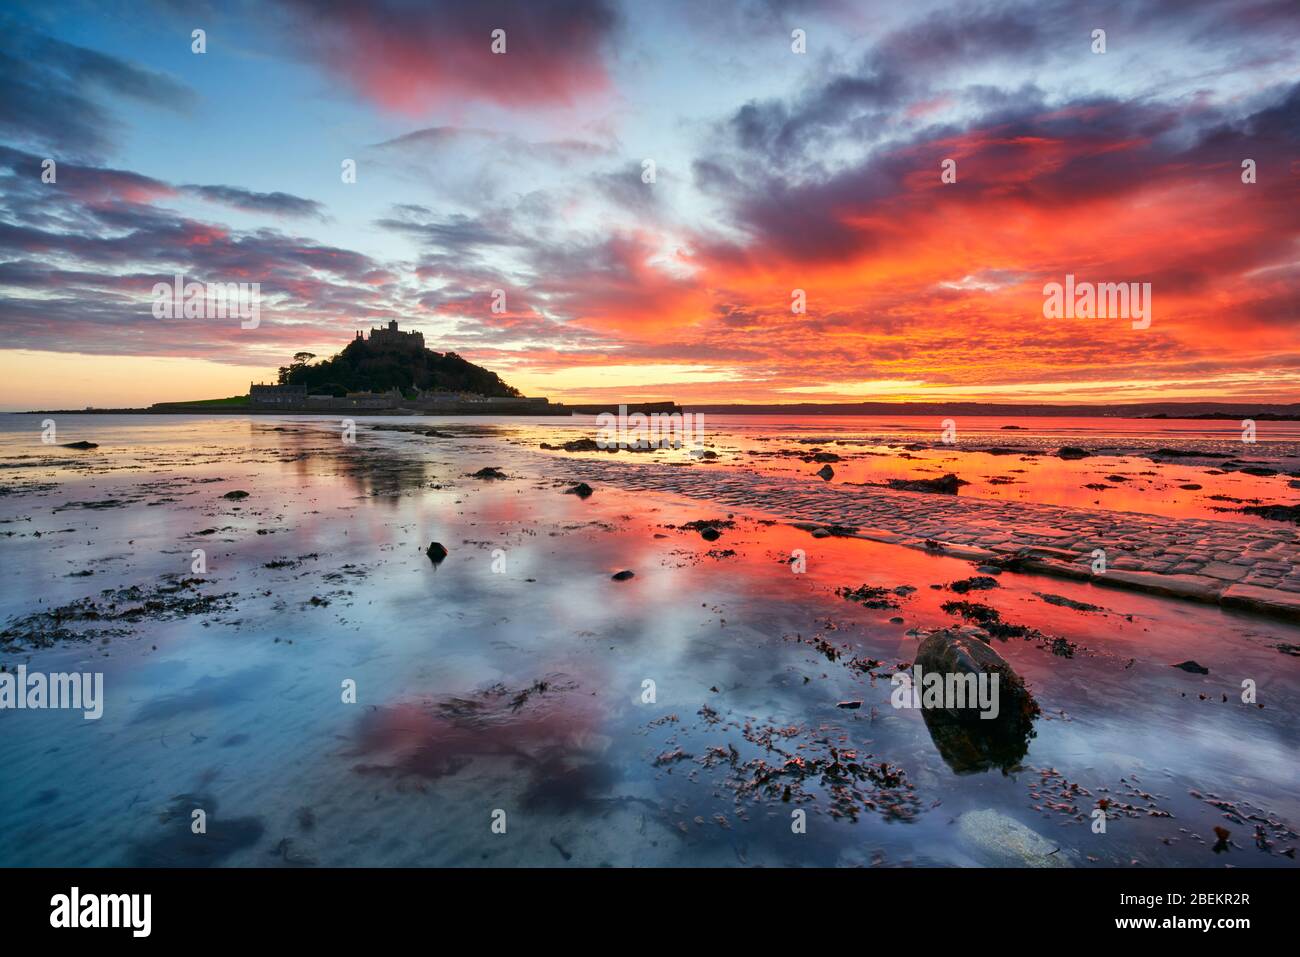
[547, 731]
[208, 692]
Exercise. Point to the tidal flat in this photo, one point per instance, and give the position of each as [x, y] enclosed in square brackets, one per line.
[233, 579]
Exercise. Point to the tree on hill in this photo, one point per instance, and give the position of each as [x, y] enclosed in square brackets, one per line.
[361, 367]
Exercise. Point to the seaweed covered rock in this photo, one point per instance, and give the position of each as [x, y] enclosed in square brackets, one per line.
[974, 732]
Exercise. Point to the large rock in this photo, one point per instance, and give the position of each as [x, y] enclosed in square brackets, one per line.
[968, 741]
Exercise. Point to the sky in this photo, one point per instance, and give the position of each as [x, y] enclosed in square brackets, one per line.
[733, 202]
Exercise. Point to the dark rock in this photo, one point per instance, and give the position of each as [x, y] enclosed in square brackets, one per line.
[975, 583]
[826, 472]
[81, 445]
[1071, 452]
[1278, 513]
[1192, 667]
[236, 495]
[1062, 602]
[622, 576]
[947, 485]
[582, 490]
[436, 552]
[491, 472]
[710, 534]
[825, 457]
[968, 742]
[850, 705]
[577, 445]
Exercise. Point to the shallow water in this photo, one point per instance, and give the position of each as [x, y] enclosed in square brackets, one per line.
[511, 677]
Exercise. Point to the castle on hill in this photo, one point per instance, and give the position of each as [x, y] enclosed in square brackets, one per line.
[389, 339]
[393, 338]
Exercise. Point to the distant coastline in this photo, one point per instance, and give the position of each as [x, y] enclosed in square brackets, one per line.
[1228, 411]
[223, 407]
[1222, 411]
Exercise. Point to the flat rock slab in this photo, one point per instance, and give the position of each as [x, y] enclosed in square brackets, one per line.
[1000, 841]
[1225, 571]
[1270, 600]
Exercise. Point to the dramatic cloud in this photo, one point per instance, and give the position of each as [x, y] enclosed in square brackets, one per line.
[78, 276]
[502, 203]
[411, 57]
[52, 93]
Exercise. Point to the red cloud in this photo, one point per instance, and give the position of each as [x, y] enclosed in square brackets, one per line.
[409, 58]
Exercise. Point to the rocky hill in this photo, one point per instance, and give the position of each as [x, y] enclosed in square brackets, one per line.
[362, 366]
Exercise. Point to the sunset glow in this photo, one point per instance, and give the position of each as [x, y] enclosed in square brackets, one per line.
[773, 172]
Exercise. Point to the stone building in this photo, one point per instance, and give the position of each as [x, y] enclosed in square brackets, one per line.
[276, 395]
[393, 338]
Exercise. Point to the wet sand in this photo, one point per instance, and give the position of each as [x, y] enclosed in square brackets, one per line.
[511, 675]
